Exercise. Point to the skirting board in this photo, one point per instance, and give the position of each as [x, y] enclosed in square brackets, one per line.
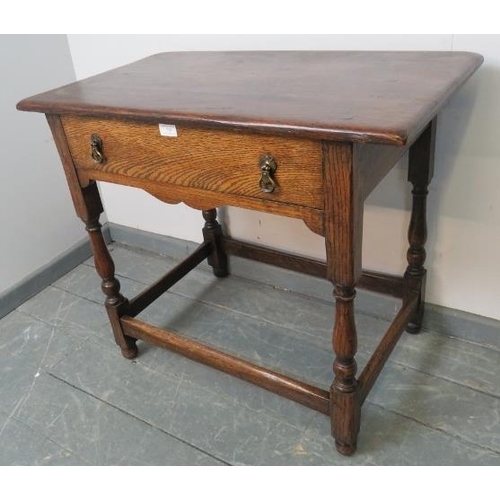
[448, 321]
[46, 275]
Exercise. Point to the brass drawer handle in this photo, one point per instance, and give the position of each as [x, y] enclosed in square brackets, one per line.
[268, 166]
[96, 149]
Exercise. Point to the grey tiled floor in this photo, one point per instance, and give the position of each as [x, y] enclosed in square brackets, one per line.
[68, 397]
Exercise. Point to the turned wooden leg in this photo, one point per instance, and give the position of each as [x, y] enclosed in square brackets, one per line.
[343, 238]
[212, 232]
[344, 398]
[115, 302]
[420, 171]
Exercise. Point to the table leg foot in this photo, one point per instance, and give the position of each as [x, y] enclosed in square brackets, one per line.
[413, 328]
[130, 352]
[415, 282]
[345, 449]
[212, 232]
[220, 272]
[415, 324]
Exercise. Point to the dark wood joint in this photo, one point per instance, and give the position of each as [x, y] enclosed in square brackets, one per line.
[212, 233]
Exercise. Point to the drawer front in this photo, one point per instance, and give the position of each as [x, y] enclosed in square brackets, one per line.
[209, 160]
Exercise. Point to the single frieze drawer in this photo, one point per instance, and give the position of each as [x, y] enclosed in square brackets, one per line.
[258, 166]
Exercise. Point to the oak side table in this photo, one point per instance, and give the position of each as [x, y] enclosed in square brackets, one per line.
[301, 134]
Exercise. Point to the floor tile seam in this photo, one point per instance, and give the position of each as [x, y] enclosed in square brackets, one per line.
[74, 294]
[425, 329]
[208, 271]
[80, 343]
[173, 375]
[300, 335]
[437, 429]
[48, 438]
[35, 318]
[297, 334]
[301, 295]
[442, 377]
[177, 378]
[390, 361]
[260, 283]
[151, 253]
[58, 326]
[244, 279]
[309, 298]
[225, 395]
[204, 302]
[465, 341]
[13, 415]
[135, 417]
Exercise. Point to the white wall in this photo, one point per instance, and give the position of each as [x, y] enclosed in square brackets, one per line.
[464, 208]
[36, 214]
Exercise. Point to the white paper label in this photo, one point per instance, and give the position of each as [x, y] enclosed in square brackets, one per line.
[167, 130]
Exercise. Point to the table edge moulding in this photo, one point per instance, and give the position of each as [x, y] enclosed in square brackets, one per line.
[300, 134]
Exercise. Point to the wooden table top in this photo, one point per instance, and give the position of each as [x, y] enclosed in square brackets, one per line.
[377, 97]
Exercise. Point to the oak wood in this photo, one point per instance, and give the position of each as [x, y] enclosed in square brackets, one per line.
[377, 282]
[86, 201]
[381, 354]
[273, 257]
[343, 214]
[343, 238]
[420, 172]
[381, 97]
[206, 200]
[148, 296]
[88, 206]
[298, 391]
[345, 406]
[388, 284]
[374, 162]
[212, 233]
[115, 302]
[226, 162]
[336, 122]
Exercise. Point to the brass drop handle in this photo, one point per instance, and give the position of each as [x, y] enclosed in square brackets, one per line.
[268, 166]
[96, 149]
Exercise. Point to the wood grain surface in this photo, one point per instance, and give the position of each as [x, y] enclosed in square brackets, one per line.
[343, 235]
[381, 97]
[205, 200]
[223, 162]
[335, 122]
[370, 280]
